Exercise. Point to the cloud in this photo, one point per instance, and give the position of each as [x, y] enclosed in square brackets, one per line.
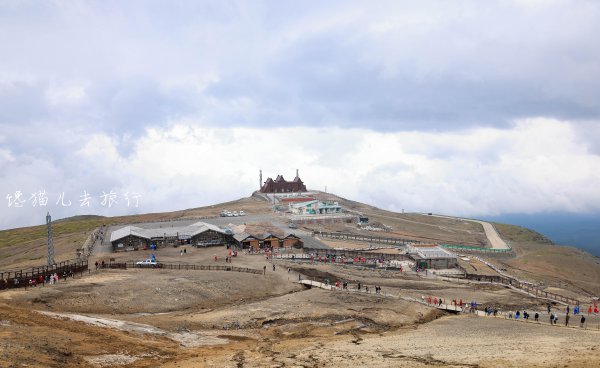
[466, 108]
[538, 165]
[392, 67]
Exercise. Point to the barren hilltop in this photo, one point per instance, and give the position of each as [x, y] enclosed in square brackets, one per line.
[344, 293]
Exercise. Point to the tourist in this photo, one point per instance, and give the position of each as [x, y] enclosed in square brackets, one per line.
[517, 315]
[551, 318]
[537, 317]
[567, 320]
[96, 265]
[568, 309]
[582, 321]
[273, 266]
[590, 310]
[435, 301]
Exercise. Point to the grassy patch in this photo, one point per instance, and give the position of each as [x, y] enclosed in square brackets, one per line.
[520, 234]
[26, 235]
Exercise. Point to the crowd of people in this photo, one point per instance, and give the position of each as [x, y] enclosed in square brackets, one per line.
[41, 280]
[519, 314]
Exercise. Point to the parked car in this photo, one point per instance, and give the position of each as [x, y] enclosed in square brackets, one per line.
[147, 263]
[242, 213]
[292, 225]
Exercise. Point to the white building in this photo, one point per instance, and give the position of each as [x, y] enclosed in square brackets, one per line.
[315, 207]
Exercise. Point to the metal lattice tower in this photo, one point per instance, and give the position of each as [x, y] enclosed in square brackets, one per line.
[49, 240]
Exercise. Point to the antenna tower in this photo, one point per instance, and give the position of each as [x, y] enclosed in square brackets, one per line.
[49, 240]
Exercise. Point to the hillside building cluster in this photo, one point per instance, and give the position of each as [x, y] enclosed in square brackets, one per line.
[199, 234]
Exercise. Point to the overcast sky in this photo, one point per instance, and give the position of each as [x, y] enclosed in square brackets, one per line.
[466, 107]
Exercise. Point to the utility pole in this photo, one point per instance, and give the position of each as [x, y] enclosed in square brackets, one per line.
[260, 180]
[49, 240]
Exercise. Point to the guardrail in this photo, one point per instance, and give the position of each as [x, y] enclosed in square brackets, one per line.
[477, 249]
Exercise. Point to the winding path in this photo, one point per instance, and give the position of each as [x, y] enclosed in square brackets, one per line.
[494, 238]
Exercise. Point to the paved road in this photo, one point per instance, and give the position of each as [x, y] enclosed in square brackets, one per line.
[490, 232]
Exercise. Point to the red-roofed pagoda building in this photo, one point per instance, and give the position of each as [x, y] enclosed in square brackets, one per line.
[280, 185]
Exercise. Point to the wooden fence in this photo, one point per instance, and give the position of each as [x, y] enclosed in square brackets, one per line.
[21, 278]
[366, 238]
[178, 266]
[347, 253]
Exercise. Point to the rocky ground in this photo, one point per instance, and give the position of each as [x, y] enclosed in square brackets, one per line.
[172, 318]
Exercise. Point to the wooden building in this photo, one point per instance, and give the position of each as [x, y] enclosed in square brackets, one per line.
[280, 185]
[199, 234]
[267, 241]
[292, 241]
[247, 241]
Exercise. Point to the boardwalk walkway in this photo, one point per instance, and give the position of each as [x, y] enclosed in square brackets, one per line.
[592, 322]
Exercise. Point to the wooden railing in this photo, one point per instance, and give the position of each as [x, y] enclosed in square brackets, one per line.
[21, 278]
[366, 238]
[178, 266]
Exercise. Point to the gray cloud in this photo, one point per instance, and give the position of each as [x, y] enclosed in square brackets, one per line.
[393, 67]
[73, 71]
